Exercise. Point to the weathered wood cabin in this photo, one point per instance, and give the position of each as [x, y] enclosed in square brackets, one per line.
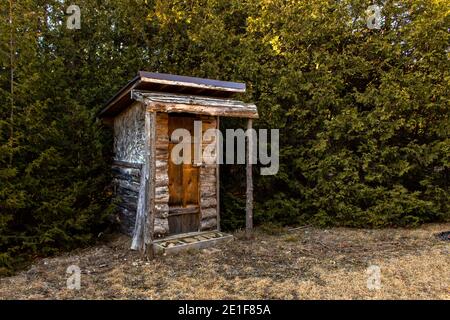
[161, 199]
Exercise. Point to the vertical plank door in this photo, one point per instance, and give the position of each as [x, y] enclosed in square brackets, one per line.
[184, 214]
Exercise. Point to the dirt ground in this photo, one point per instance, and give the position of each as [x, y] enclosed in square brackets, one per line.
[306, 263]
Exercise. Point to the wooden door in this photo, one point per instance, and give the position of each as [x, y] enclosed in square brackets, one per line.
[184, 214]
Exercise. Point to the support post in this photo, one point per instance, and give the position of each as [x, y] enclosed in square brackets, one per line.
[218, 173]
[138, 234]
[249, 193]
[150, 162]
[140, 225]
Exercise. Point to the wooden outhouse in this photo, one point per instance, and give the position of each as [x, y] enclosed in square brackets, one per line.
[159, 198]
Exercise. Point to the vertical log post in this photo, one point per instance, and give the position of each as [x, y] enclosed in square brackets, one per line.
[139, 226]
[218, 174]
[138, 242]
[150, 162]
[249, 202]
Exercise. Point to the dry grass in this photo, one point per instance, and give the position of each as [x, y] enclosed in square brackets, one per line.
[303, 264]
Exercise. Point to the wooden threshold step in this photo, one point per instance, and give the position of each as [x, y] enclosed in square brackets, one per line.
[190, 241]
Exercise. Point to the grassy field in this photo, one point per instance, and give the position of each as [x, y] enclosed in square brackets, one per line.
[306, 263]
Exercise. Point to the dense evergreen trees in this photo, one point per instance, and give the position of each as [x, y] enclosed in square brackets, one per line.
[363, 113]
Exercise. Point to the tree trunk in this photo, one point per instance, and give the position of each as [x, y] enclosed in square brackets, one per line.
[12, 54]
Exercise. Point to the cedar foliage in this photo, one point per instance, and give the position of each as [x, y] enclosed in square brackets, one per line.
[363, 114]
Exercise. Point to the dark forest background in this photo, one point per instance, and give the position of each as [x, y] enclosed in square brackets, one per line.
[363, 113]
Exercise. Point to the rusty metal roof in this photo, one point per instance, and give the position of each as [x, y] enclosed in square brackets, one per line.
[170, 83]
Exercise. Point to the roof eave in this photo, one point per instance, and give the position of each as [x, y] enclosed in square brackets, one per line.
[169, 83]
[122, 93]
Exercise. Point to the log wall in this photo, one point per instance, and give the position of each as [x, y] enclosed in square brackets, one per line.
[127, 181]
[129, 157]
[162, 179]
[129, 134]
[128, 160]
[208, 182]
